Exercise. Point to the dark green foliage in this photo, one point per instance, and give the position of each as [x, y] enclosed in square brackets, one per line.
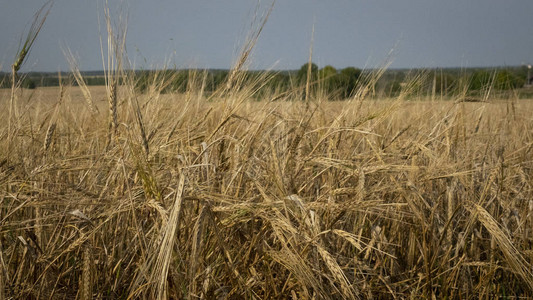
[480, 80]
[348, 79]
[94, 80]
[179, 81]
[392, 88]
[328, 79]
[219, 77]
[4, 81]
[28, 83]
[505, 80]
[52, 81]
[327, 72]
[142, 79]
[302, 73]
[336, 84]
[499, 79]
[340, 85]
[445, 83]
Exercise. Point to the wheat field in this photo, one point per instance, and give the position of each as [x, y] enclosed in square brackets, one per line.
[113, 193]
[194, 196]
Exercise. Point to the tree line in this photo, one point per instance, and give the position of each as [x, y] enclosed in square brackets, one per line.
[337, 84]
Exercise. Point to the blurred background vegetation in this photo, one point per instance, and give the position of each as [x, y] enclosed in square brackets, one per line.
[338, 84]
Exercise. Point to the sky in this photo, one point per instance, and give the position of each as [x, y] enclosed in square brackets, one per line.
[210, 33]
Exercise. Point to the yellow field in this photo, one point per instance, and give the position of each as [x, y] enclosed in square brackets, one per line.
[186, 198]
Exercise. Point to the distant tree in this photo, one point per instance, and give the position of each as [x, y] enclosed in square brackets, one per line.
[480, 80]
[327, 72]
[179, 81]
[4, 81]
[220, 78]
[302, 73]
[445, 83]
[392, 88]
[142, 81]
[328, 79]
[97, 80]
[279, 81]
[500, 80]
[28, 83]
[348, 79]
[505, 80]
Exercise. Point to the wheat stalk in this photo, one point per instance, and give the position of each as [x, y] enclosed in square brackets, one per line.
[515, 259]
[86, 276]
[49, 134]
[162, 262]
[79, 79]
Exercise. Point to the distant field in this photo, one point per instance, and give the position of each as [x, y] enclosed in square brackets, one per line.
[185, 197]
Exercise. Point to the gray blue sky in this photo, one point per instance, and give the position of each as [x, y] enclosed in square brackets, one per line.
[208, 33]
